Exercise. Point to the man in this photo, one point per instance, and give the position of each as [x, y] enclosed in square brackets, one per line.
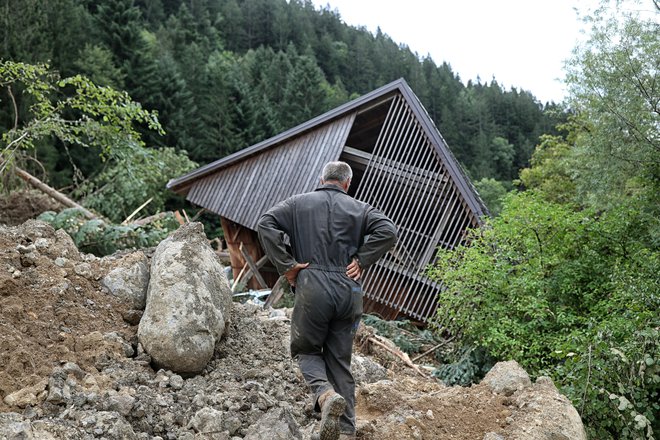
[333, 238]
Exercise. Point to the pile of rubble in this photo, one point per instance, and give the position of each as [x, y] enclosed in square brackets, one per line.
[75, 362]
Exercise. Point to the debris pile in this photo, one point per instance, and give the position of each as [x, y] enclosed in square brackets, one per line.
[72, 367]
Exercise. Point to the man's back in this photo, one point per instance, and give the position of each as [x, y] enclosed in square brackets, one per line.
[327, 227]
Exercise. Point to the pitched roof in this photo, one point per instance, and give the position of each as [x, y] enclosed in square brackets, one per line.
[305, 149]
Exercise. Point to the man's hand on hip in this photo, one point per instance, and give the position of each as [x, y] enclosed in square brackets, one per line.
[292, 274]
[353, 270]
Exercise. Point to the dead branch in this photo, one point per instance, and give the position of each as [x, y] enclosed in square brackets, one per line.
[52, 192]
[396, 352]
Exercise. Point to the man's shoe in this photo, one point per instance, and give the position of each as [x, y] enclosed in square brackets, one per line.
[332, 407]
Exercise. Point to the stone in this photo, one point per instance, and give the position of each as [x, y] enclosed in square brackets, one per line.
[129, 280]
[206, 420]
[493, 436]
[84, 270]
[507, 378]
[188, 302]
[14, 427]
[276, 424]
[26, 396]
[365, 370]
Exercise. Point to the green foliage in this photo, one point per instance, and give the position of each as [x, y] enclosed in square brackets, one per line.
[542, 282]
[491, 192]
[470, 366]
[132, 179]
[613, 80]
[73, 110]
[100, 238]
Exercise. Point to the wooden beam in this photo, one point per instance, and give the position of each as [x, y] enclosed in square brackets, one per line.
[255, 270]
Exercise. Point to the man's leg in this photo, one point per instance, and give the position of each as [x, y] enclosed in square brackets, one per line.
[312, 313]
[337, 358]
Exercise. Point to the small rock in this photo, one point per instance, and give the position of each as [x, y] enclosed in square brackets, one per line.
[507, 378]
[176, 382]
[84, 270]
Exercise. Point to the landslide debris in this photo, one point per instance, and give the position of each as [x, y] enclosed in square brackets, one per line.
[71, 368]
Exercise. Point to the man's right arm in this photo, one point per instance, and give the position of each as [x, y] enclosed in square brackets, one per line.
[272, 227]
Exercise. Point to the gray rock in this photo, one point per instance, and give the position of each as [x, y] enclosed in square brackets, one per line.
[176, 382]
[207, 420]
[493, 436]
[276, 424]
[121, 402]
[507, 378]
[188, 302]
[84, 270]
[130, 280]
[14, 427]
[366, 370]
[59, 392]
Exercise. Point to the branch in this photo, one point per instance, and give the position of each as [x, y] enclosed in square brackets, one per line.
[396, 352]
[53, 192]
[13, 100]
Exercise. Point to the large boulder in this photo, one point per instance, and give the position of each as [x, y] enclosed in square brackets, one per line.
[188, 302]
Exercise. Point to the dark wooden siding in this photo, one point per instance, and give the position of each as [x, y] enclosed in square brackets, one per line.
[245, 190]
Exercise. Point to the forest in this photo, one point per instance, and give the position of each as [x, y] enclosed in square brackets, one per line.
[108, 100]
[225, 74]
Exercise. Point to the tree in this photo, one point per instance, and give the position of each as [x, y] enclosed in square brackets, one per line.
[73, 111]
[615, 90]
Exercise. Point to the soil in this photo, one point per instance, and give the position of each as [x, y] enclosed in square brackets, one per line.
[19, 206]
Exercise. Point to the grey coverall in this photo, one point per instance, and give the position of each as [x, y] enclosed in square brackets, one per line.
[326, 228]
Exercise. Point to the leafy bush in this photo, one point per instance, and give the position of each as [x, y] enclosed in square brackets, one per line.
[471, 366]
[100, 238]
[133, 177]
[571, 294]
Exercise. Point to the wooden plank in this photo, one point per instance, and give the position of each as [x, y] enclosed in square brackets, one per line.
[250, 262]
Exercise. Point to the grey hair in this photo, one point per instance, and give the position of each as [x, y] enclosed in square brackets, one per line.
[339, 171]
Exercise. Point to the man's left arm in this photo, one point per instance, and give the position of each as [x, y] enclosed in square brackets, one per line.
[382, 235]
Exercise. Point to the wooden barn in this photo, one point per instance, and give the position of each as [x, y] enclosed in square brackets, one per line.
[401, 165]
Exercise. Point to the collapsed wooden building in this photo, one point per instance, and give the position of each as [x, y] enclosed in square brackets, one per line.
[401, 165]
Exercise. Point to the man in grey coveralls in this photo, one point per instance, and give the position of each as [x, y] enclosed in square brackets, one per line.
[333, 238]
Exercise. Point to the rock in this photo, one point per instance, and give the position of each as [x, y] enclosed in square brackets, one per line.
[14, 427]
[548, 415]
[26, 396]
[366, 370]
[176, 382]
[208, 421]
[276, 424]
[64, 246]
[507, 378]
[59, 392]
[188, 302]
[493, 436]
[121, 402]
[129, 280]
[84, 270]
[132, 317]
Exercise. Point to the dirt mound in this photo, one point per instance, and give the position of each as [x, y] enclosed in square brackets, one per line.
[20, 206]
[71, 368]
[53, 307]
